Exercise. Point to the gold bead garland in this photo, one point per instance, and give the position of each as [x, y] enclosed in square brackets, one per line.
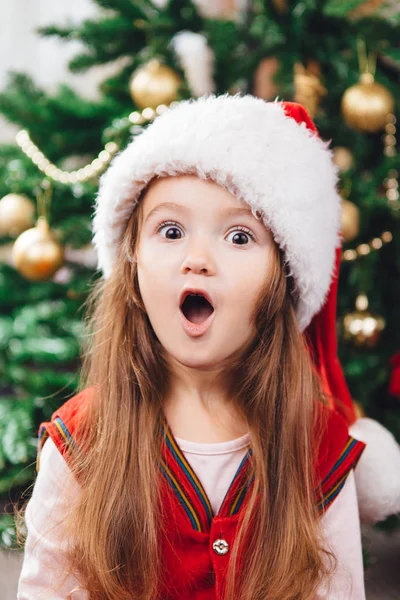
[364, 249]
[98, 165]
[54, 173]
[392, 194]
[392, 191]
[139, 117]
[391, 183]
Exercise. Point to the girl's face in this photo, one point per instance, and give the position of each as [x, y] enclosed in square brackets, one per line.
[207, 240]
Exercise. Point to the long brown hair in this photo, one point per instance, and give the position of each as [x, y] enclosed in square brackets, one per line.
[113, 526]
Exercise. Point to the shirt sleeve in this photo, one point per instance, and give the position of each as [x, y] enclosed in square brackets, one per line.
[341, 527]
[44, 566]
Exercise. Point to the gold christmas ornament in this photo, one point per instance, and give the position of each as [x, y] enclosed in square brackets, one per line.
[366, 105]
[154, 84]
[17, 213]
[350, 221]
[36, 253]
[308, 89]
[343, 158]
[361, 327]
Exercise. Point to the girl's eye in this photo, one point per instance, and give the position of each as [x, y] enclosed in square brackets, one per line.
[239, 236]
[243, 231]
[172, 225]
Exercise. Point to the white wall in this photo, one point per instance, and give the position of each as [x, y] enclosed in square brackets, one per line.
[22, 49]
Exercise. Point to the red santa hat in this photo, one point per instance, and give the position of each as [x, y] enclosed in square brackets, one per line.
[269, 155]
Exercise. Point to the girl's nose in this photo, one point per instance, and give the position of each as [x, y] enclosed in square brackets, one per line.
[198, 259]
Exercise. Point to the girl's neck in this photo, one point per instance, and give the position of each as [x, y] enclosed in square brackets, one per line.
[194, 422]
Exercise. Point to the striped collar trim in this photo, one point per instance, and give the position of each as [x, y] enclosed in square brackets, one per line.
[187, 487]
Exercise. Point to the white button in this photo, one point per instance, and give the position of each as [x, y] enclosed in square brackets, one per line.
[221, 546]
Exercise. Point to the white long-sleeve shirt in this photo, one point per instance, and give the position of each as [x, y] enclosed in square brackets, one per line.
[215, 465]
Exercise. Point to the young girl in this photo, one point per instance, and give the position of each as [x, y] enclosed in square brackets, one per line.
[207, 454]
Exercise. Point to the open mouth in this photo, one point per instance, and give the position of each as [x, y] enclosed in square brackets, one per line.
[196, 308]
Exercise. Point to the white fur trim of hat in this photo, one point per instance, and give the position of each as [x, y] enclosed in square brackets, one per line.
[378, 471]
[256, 150]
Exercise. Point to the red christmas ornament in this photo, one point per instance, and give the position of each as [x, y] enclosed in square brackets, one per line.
[394, 383]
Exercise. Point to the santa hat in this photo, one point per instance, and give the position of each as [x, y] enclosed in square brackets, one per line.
[269, 155]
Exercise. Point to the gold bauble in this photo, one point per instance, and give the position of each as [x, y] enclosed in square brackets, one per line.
[361, 327]
[154, 84]
[366, 105]
[36, 253]
[350, 220]
[308, 89]
[343, 158]
[17, 213]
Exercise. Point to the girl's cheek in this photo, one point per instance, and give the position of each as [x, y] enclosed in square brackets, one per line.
[149, 255]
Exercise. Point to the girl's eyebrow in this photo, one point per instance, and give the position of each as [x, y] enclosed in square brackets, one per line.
[180, 207]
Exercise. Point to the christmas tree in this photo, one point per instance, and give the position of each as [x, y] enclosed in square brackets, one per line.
[341, 59]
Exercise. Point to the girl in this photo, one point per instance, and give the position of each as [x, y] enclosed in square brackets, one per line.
[207, 454]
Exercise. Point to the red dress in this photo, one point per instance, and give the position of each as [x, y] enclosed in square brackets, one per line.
[196, 549]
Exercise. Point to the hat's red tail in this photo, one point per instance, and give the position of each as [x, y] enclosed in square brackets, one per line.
[322, 342]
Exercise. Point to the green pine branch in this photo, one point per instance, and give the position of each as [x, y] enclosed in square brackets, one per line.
[61, 124]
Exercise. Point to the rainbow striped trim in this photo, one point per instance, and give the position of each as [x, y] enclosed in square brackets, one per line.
[336, 478]
[61, 434]
[43, 435]
[187, 487]
[189, 490]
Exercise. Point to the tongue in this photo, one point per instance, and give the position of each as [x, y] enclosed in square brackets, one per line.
[198, 314]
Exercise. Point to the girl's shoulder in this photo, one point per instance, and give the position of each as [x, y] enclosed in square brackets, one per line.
[336, 454]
